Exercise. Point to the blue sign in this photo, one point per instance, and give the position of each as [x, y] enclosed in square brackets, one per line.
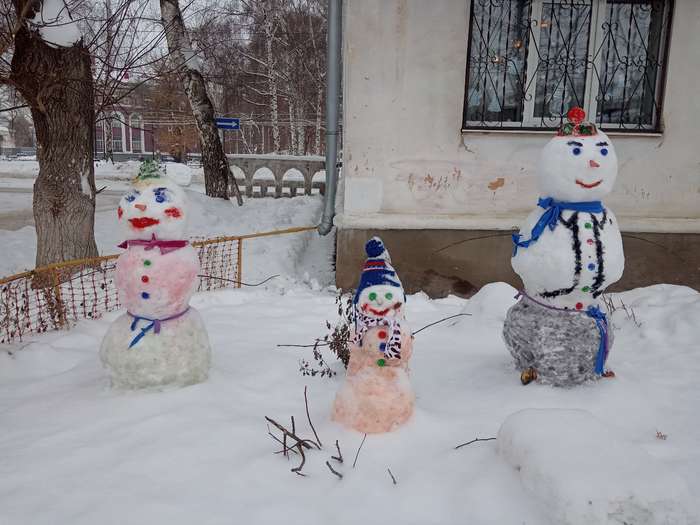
[228, 123]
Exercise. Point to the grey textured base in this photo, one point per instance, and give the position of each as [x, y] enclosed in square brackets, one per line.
[561, 346]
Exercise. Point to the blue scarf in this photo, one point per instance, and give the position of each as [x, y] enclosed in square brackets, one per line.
[550, 218]
[601, 322]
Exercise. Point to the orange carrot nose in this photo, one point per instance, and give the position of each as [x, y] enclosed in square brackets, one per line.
[593, 164]
[142, 207]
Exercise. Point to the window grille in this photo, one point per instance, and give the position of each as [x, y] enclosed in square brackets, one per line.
[529, 61]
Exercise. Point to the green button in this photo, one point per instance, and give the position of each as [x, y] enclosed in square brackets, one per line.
[381, 362]
[585, 289]
[147, 262]
[588, 226]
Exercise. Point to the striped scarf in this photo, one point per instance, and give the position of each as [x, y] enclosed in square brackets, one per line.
[392, 348]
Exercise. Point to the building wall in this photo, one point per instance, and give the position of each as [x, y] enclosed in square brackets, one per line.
[407, 164]
[404, 89]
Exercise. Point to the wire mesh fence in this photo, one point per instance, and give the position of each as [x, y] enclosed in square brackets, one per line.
[55, 296]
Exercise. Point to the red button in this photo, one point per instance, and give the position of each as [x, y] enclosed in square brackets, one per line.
[144, 278]
[381, 334]
[590, 241]
[579, 306]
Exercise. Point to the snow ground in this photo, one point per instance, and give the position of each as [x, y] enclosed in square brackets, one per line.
[74, 451]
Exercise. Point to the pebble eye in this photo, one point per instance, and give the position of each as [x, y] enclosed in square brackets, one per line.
[604, 152]
[372, 296]
[389, 296]
[576, 151]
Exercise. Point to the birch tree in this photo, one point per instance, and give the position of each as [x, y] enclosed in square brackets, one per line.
[217, 174]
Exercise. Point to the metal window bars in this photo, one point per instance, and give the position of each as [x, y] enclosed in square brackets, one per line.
[529, 61]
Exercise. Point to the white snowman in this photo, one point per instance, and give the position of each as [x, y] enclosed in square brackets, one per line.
[161, 340]
[567, 252]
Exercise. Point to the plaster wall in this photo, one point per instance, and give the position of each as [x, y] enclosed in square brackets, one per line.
[408, 165]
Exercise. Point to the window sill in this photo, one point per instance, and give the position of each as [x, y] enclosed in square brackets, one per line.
[516, 131]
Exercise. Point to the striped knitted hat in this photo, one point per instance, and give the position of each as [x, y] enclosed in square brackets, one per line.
[378, 269]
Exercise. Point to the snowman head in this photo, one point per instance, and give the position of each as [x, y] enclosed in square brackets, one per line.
[380, 292]
[155, 205]
[579, 164]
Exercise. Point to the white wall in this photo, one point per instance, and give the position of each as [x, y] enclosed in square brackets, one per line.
[408, 165]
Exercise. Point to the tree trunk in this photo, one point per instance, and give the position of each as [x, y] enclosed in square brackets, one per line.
[272, 78]
[217, 175]
[109, 137]
[57, 84]
[317, 134]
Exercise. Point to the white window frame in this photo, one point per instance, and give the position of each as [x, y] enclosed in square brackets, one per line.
[138, 131]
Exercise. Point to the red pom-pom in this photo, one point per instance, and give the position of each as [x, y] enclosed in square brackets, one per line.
[576, 115]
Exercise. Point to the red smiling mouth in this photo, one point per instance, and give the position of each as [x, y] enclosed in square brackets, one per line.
[143, 222]
[380, 313]
[588, 186]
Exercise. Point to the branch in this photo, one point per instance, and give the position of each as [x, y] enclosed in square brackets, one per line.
[474, 441]
[392, 476]
[340, 476]
[306, 402]
[358, 451]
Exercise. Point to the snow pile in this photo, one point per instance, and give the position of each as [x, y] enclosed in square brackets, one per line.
[580, 472]
[55, 24]
[73, 451]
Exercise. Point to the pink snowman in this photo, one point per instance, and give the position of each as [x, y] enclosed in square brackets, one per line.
[161, 340]
[377, 394]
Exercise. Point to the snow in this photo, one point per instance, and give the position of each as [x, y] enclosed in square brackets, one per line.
[76, 452]
[579, 471]
[55, 24]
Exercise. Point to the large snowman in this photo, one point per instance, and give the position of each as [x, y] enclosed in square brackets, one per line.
[161, 340]
[567, 252]
[377, 394]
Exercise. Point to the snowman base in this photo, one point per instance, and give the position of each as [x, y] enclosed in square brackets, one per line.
[375, 399]
[179, 355]
[561, 346]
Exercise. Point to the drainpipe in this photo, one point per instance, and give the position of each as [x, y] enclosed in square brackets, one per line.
[332, 99]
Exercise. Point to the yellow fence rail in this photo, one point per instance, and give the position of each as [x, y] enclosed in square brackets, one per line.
[54, 296]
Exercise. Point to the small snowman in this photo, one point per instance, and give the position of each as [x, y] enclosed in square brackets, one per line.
[567, 252]
[161, 340]
[377, 394]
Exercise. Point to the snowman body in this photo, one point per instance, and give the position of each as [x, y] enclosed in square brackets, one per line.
[161, 340]
[377, 395]
[558, 328]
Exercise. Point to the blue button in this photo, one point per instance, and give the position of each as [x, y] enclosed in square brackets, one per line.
[145, 295]
[591, 267]
[382, 346]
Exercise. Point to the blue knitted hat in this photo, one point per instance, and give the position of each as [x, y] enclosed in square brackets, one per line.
[378, 269]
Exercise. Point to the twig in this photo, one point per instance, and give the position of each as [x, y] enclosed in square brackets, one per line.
[392, 476]
[297, 470]
[306, 402]
[340, 476]
[339, 457]
[473, 441]
[317, 343]
[438, 321]
[303, 442]
[283, 443]
[358, 451]
[238, 282]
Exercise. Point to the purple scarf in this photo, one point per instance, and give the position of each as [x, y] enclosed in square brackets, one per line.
[165, 246]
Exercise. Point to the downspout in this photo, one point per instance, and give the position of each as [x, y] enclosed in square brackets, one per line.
[332, 99]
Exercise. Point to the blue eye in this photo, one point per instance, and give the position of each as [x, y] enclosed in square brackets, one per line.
[604, 152]
[130, 197]
[576, 151]
[161, 194]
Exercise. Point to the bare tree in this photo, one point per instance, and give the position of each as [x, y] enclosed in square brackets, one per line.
[217, 174]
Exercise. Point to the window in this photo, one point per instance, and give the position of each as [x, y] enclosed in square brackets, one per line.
[530, 61]
[136, 131]
[99, 137]
[117, 134]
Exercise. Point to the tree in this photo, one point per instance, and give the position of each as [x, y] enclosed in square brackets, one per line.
[52, 71]
[217, 174]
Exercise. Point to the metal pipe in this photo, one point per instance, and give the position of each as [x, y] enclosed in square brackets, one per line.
[332, 100]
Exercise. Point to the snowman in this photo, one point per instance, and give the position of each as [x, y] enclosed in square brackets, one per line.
[377, 394]
[160, 340]
[567, 252]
